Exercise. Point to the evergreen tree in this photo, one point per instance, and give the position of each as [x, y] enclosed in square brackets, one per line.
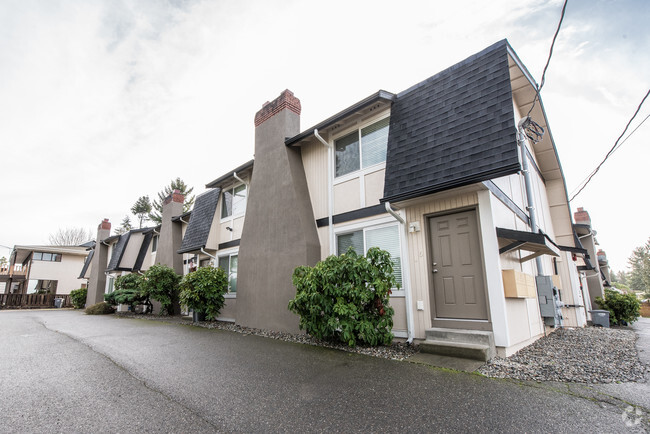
[176, 184]
[639, 278]
[142, 209]
[125, 226]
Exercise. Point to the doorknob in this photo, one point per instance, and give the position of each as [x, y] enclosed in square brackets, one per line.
[435, 270]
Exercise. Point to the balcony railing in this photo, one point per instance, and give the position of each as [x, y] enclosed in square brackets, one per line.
[16, 271]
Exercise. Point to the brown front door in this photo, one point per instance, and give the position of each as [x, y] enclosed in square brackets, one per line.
[457, 267]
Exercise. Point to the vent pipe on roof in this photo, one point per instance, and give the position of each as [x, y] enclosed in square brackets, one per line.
[330, 182]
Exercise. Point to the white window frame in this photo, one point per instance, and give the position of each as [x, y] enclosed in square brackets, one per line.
[110, 283]
[228, 253]
[378, 224]
[232, 216]
[362, 171]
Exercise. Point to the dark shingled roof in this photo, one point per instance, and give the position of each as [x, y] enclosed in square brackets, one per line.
[118, 252]
[453, 129]
[196, 235]
[87, 262]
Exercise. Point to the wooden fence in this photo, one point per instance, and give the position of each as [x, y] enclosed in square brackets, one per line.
[32, 301]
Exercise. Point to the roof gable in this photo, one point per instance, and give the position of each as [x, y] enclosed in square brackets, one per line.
[453, 129]
[198, 230]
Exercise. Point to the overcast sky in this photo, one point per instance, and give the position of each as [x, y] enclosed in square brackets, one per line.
[104, 101]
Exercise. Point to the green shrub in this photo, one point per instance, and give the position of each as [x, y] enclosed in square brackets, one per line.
[129, 291]
[128, 281]
[203, 290]
[345, 298]
[102, 308]
[131, 297]
[623, 308]
[78, 297]
[160, 283]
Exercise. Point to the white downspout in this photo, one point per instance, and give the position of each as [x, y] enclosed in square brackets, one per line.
[330, 182]
[207, 254]
[410, 325]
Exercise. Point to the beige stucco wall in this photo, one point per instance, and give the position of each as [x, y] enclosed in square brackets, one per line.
[65, 272]
[132, 250]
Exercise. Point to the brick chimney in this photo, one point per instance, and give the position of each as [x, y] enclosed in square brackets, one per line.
[105, 225]
[176, 196]
[97, 281]
[582, 217]
[275, 241]
[171, 233]
[286, 100]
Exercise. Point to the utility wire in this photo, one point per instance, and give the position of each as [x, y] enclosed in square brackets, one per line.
[615, 149]
[548, 61]
[616, 145]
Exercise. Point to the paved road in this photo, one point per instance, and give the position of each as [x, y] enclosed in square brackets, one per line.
[63, 371]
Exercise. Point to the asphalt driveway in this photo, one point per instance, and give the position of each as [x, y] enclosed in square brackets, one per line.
[63, 371]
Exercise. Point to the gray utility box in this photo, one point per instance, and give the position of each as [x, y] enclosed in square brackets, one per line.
[600, 318]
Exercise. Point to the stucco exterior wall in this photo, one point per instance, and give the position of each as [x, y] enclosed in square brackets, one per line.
[65, 272]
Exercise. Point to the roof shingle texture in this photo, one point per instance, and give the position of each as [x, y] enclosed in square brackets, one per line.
[196, 235]
[453, 129]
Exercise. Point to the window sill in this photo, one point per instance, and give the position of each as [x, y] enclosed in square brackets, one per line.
[231, 217]
[357, 173]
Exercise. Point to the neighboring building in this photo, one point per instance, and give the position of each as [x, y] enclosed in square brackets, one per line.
[434, 175]
[595, 266]
[134, 251]
[43, 269]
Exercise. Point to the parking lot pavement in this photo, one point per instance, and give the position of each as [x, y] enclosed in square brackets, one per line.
[63, 371]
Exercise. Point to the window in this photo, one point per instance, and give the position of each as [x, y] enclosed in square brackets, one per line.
[50, 257]
[362, 148]
[229, 265]
[110, 282]
[154, 244]
[386, 238]
[233, 201]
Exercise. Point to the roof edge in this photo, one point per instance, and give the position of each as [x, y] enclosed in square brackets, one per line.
[377, 96]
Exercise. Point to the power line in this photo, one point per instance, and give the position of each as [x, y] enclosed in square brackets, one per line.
[548, 61]
[616, 145]
[615, 149]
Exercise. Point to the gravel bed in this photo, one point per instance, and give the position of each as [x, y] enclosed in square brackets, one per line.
[585, 355]
[396, 351]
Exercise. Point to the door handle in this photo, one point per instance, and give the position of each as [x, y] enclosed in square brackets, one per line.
[435, 270]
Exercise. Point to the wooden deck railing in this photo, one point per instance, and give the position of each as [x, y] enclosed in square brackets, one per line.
[9, 272]
[32, 301]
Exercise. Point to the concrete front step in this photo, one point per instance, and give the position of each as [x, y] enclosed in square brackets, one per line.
[460, 335]
[469, 344]
[456, 349]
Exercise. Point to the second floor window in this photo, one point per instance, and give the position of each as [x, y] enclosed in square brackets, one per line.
[233, 201]
[51, 257]
[363, 148]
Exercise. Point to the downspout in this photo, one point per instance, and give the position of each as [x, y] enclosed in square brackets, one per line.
[234, 175]
[207, 254]
[521, 138]
[407, 288]
[330, 182]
